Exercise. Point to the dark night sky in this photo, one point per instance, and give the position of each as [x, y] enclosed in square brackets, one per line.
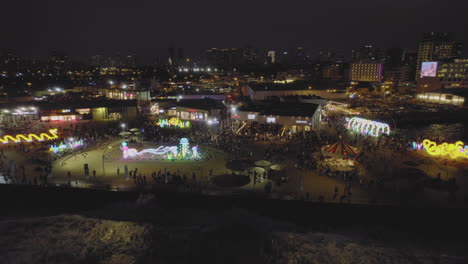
[147, 28]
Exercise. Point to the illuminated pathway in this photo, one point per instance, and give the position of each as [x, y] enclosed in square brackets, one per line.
[114, 161]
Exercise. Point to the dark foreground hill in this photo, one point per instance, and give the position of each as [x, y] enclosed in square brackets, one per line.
[63, 225]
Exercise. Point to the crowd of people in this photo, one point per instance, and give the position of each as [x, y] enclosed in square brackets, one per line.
[278, 146]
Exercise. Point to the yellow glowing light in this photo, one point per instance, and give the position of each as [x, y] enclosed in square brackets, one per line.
[30, 137]
[445, 149]
[175, 122]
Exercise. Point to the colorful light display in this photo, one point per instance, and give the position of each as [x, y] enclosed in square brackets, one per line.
[428, 69]
[166, 152]
[457, 150]
[173, 122]
[184, 146]
[417, 146]
[30, 137]
[66, 145]
[368, 127]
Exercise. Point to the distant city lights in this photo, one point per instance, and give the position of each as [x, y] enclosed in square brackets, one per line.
[197, 69]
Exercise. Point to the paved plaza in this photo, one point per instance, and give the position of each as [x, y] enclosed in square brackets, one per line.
[105, 159]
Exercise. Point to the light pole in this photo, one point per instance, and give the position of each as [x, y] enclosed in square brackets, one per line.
[394, 123]
[103, 157]
[123, 125]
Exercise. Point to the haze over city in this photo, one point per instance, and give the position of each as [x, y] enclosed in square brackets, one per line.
[148, 28]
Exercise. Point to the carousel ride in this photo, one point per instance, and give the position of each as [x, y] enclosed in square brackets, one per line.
[339, 156]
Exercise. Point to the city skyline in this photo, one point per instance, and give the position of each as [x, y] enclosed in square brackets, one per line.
[149, 29]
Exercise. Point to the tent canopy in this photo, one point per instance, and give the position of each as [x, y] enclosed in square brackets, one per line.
[124, 134]
[263, 163]
[277, 167]
[339, 150]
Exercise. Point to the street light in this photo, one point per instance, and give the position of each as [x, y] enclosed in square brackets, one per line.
[103, 158]
[123, 126]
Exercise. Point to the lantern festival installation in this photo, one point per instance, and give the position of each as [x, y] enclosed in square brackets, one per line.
[457, 150]
[62, 146]
[173, 122]
[183, 151]
[367, 127]
[417, 146]
[30, 137]
[184, 146]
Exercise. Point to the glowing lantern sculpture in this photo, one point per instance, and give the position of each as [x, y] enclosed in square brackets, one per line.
[173, 122]
[66, 145]
[446, 149]
[166, 152]
[184, 146]
[368, 127]
[30, 137]
[195, 152]
[417, 146]
[124, 149]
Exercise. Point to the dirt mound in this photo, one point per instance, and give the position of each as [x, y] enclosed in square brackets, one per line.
[71, 239]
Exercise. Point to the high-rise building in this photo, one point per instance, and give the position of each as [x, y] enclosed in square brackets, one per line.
[453, 74]
[97, 60]
[410, 58]
[406, 73]
[332, 71]
[300, 55]
[393, 58]
[367, 53]
[223, 57]
[172, 58]
[230, 57]
[326, 55]
[130, 61]
[436, 46]
[58, 63]
[437, 75]
[180, 56]
[249, 55]
[271, 56]
[366, 72]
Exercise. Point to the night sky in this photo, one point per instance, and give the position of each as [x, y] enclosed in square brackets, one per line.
[147, 28]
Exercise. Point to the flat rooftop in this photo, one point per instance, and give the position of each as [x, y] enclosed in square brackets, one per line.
[282, 109]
